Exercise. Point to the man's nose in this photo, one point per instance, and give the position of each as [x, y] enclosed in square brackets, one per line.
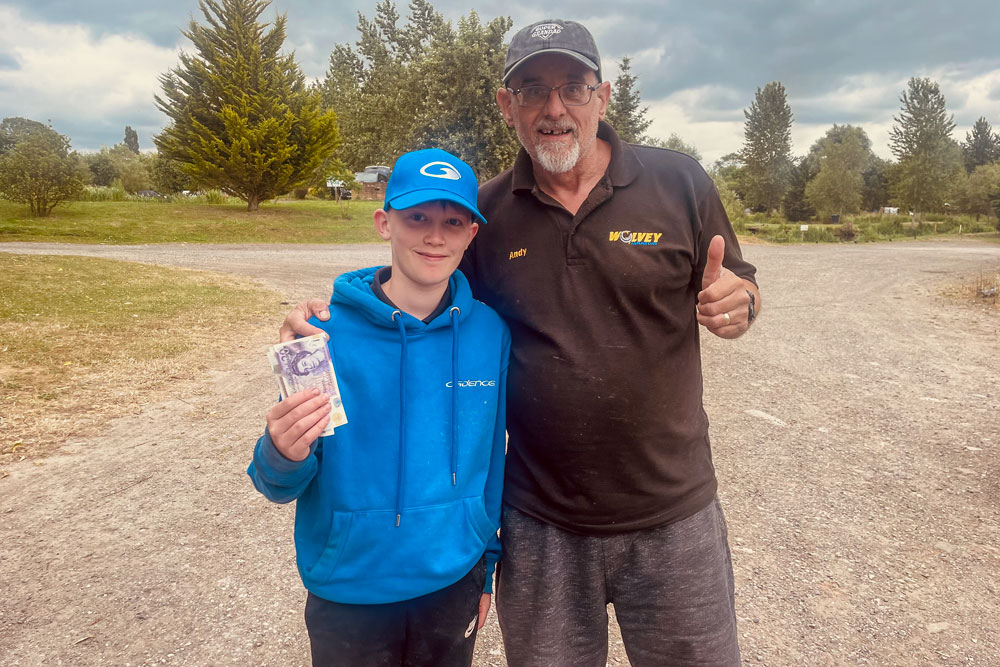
[554, 106]
[435, 234]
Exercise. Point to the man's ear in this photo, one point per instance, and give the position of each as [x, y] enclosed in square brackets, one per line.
[603, 93]
[506, 101]
[381, 219]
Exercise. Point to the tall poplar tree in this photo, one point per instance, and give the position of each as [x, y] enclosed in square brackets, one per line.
[241, 116]
[981, 145]
[767, 148]
[625, 112]
[930, 161]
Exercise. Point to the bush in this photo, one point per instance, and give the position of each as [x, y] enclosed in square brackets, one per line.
[819, 234]
[213, 197]
[113, 192]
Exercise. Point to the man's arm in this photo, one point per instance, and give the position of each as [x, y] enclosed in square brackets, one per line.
[296, 322]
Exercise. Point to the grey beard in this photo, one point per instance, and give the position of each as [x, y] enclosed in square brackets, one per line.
[557, 161]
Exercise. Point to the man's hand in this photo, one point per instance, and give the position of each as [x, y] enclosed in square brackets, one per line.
[297, 421]
[723, 302]
[296, 323]
[484, 610]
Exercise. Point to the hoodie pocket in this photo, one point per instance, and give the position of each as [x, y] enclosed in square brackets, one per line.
[370, 559]
[340, 531]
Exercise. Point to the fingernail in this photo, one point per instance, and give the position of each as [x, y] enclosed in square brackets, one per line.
[325, 314]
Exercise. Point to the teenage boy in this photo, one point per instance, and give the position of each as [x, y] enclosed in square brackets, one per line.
[397, 512]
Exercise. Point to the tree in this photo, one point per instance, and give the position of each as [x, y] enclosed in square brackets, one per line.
[929, 159]
[167, 175]
[460, 73]
[843, 156]
[795, 205]
[980, 189]
[425, 83]
[132, 169]
[40, 170]
[674, 143]
[102, 168]
[131, 139]
[875, 192]
[981, 146]
[624, 111]
[14, 129]
[767, 147]
[241, 116]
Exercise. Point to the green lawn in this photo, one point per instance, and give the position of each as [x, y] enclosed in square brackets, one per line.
[130, 222]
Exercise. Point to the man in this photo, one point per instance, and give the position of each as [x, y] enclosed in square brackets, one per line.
[603, 258]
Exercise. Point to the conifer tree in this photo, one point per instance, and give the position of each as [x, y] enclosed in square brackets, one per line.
[241, 116]
[930, 161]
[767, 148]
[981, 146]
[624, 111]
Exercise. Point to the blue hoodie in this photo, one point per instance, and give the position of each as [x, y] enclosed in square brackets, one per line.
[405, 498]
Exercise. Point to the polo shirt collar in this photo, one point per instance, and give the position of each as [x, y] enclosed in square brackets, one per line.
[622, 170]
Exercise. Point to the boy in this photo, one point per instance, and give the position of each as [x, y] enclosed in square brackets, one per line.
[397, 513]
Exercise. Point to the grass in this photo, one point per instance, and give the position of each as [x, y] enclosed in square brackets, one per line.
[862, 228]
[180, 221]
[83, 340]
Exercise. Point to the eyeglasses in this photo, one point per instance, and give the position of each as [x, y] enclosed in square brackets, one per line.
[571, 94]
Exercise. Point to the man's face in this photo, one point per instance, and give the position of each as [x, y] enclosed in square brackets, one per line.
[556, 136]
[427, 241]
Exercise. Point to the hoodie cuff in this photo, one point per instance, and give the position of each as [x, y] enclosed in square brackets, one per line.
[491, 566]
[275, 460]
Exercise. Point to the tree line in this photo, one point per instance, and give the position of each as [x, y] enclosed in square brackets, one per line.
[841, 174]
[243, 119]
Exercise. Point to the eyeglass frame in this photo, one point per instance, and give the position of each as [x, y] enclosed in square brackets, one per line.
[558, 89]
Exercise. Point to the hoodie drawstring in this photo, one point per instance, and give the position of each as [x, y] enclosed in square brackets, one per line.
[397, 316]
[454, 313]
[402, 413]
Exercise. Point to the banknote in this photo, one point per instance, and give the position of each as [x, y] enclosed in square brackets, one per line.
[305, 363]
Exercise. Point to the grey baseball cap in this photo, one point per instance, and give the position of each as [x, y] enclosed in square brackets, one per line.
[552, 36]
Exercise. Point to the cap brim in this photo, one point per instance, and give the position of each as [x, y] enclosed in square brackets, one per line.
[566, 52]
[417, 197]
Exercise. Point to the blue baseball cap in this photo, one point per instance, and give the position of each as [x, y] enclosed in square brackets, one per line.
[432, 174]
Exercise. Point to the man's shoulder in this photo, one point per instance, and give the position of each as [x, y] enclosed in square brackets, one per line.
[496, 188]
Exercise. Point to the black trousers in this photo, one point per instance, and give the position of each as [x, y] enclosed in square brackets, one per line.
[437, 629]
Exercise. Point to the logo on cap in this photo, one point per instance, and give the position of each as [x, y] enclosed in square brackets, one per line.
[444, 170]
[546, 30]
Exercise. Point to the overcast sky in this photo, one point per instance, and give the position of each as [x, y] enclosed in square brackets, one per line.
[91, 66]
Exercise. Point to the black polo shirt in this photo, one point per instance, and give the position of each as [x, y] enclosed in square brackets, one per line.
[604, 403]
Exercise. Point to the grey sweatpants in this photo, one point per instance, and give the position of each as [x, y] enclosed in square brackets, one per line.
[672, 588]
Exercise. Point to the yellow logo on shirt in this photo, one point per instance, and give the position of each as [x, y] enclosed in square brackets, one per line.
[636, 238]
[518, 253]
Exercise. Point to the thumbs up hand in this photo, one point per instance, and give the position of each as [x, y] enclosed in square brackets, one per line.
[723, 302]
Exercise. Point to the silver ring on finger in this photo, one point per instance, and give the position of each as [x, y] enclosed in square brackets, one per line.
[729, 320]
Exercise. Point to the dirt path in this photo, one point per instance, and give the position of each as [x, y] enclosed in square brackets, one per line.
[856, 433]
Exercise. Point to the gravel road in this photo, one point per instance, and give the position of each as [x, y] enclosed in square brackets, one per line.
[856, 433]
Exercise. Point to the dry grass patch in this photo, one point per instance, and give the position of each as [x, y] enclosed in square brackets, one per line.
[85, 340]
[983, 290]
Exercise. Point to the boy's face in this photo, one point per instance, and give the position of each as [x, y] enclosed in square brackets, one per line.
[427, 240]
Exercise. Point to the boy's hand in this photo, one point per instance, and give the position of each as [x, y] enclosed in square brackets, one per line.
[484, 610]
[297, 421]
[296, 322]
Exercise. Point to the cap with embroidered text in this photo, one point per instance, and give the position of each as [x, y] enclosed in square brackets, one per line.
[429, 175]
[552, 36]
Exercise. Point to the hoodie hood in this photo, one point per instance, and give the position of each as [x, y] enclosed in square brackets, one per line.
[354, 289]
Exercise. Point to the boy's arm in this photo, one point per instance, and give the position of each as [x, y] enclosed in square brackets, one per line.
[494, 480]
[284, 460]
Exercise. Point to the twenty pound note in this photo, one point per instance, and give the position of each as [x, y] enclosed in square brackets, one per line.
[305, 363]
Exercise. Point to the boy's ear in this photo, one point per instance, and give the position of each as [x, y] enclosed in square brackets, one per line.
[473, 230]
[381, 219]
